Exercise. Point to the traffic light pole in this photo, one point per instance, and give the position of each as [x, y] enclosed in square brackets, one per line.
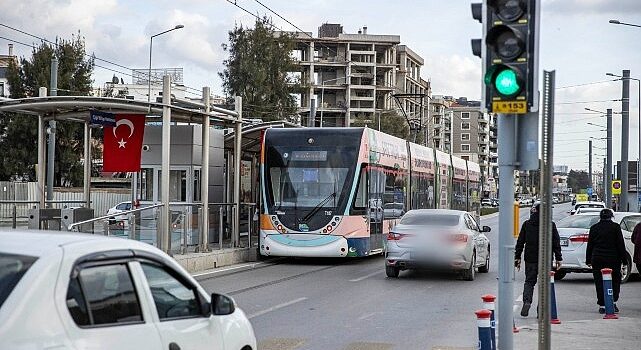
[608, 171]
[507, 165]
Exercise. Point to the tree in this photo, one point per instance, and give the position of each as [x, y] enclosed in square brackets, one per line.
[578, 180]
[258, 68]
[19, 132]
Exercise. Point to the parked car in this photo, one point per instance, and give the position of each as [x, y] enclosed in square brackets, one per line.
[69, 291]
[578, 205]
[555, 199]
[439, 239]
[584, 210]
[574, 230]
[487, 203]
[393, 210]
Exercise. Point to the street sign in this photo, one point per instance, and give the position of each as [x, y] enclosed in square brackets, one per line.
[581, 197]
[511, 107]
[616, 186]
[102, 118]
[589, 191]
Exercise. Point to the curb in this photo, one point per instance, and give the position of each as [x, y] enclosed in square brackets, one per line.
[224, 271]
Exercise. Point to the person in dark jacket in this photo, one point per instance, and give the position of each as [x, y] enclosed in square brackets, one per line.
[636, 239]
[606, 248]
[529, 239]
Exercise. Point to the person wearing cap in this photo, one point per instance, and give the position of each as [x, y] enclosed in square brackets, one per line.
[606, 249]
[529, 241]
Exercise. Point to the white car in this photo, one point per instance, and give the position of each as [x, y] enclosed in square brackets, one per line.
[119, 208]
[438, 239]
[574, 230]
[78, 291]
[588, 204]
[585, 210]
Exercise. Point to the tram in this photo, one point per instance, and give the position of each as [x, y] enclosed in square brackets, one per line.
[337, 192]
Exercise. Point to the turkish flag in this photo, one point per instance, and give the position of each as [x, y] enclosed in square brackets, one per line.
[123, 143]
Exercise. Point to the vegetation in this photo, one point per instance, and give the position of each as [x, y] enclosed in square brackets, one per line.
[257, 69]
[19, 132]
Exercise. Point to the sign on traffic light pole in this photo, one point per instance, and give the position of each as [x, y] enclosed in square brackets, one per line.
[509, 55]
[616, 187]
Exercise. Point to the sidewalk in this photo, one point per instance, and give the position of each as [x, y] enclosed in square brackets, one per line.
[598, 334]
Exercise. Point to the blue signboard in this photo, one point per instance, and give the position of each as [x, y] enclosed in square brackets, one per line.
[589, 191]
[102, 118]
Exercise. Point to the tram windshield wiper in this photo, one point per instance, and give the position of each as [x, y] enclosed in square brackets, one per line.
[317, 207]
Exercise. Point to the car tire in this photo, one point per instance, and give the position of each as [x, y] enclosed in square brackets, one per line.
[626, 270]
[470, 273]
[392, 271]
[486, 268]
[559, 275]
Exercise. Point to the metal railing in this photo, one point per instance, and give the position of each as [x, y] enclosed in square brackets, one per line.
[24, 211]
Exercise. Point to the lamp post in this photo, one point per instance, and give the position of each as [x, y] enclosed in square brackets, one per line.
[323, 95]
[608, 115]
[639, 116]
[151, 44]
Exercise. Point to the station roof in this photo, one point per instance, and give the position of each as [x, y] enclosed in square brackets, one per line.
[251, 134]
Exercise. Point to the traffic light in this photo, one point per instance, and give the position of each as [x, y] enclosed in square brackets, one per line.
[510, 54]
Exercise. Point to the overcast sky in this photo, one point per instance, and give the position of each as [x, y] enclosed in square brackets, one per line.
[576, 40]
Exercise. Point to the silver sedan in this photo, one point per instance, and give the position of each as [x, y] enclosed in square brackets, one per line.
[439, 239]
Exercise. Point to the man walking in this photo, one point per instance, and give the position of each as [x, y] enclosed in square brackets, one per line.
[636, 239]
[606, 248]
[529, 239]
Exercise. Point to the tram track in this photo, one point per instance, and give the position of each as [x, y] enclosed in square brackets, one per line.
[281, 280]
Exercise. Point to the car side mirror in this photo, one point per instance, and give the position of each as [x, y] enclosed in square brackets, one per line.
[222, 305]
[486, 229]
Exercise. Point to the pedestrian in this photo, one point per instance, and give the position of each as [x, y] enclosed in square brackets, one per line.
[529, 240]
[636, 239]
[606, 248]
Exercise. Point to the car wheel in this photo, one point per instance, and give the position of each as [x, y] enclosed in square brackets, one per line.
[469, 274]
[392, 271]
[486, 268]
[559, 275]
[626, 270]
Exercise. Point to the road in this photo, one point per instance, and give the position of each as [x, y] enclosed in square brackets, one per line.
[350, 304]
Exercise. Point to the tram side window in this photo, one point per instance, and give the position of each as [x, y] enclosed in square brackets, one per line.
[420, 193]
[458, 192]
[394, 196]
[360, 199]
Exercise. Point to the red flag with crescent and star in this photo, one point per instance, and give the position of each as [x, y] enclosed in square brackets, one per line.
[123, 143]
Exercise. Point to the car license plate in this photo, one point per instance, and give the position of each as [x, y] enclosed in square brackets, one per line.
[564, 242]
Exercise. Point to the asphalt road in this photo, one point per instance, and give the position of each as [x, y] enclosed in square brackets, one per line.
[350, 304]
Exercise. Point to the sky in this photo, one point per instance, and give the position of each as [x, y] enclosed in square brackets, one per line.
[576, 41]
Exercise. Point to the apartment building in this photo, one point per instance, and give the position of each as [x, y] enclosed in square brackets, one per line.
[417, 90]
[440, 126]
[5, 60]
[353, 75]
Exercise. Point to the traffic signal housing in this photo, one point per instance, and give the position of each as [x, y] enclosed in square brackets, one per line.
[510, 54]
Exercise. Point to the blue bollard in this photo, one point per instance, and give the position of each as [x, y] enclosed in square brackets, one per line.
[488, 303]
[485, 333]
[553, 313]
[607, 295]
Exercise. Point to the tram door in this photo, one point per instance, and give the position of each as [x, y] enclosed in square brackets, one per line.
[376, 210]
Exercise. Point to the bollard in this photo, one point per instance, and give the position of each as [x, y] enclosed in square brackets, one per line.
[607, 295]
[488, 303]
[221, 227]
[14, 217]
[485, 334]
[553, 312]
[515, 329]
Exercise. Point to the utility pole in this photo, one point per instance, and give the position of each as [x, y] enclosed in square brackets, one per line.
[311, 121]
[625, 139]
[604, 178]
[51, 147]
[590, 164]
[608, 171]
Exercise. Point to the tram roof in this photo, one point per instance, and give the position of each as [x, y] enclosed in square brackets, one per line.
[251, 134]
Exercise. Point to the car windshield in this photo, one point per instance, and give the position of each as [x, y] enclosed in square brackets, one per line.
[589, 206]
[430, 219]
[12, 268]
[578, 221]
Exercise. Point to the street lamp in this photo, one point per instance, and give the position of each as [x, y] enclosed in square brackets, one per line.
[323, 95]
[639, 116]
[151, 43]
[616, 21]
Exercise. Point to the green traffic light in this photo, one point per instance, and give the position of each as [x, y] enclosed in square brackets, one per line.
[506, 82]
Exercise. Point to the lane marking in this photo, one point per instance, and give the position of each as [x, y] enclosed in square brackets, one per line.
[276, 307]
[231, 268]
[365, 316]
[366, 276]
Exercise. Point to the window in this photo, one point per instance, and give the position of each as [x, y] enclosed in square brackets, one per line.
[124, 206]
[465, 126]
[465, 147]
[12, 268]
[465, 137]
[465, 115]
[103, 295]
[173, 298]
[2, 90]
[360, 200]
[629, 222]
